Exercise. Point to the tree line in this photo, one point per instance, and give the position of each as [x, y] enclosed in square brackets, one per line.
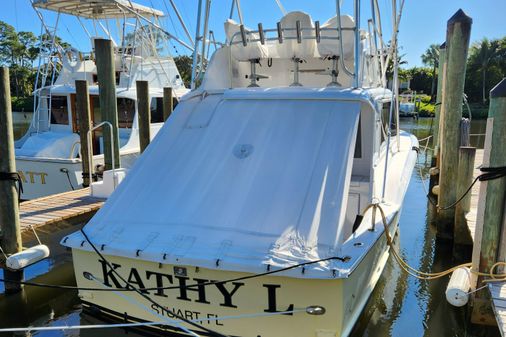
[486, 66]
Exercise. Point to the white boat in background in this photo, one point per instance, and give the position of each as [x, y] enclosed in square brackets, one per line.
[408, 104]
[48, 155]
[248, 214]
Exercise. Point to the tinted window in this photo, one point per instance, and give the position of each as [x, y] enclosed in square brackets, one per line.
[59, 110]
[156, 110]
[126, 112]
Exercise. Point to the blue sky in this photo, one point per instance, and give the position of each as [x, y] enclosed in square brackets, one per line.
[423, 22]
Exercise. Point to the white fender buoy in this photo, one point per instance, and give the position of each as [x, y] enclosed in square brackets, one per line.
[27, 257]
[457, 291]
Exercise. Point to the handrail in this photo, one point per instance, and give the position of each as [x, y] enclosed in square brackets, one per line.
[71, 156]
[90, 150]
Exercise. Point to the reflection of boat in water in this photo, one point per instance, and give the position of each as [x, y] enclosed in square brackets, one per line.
[243, 217]
[47, 156]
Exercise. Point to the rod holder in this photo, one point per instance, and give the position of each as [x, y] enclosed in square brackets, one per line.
[261, 33]
[299, 33]
[280, 32]
[243, 35]
[317, 31]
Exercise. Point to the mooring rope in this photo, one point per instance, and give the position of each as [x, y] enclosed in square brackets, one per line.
[431, 276]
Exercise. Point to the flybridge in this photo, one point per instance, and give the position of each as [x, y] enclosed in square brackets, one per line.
[98, 9]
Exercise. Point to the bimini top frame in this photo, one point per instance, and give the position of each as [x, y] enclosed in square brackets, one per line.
[98, 9]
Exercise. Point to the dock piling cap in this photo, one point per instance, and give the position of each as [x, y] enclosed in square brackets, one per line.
[460, 17]
[499, 90]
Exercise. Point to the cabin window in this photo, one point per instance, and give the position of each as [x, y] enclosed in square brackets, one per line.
[126, 112]
[156, 110]
[358, 143]
[59, 110]
[385, 115]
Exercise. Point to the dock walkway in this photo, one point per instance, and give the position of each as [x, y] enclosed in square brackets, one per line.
[472, 215]
[58, 211]
[498, 294]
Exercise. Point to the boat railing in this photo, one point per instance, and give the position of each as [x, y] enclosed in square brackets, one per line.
[261, 33]
[90, 150]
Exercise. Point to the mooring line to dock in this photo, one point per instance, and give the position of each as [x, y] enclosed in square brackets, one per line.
[431, 276]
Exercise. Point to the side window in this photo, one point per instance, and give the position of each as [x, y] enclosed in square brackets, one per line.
[157, 110]
[126, 112]
[385, 115]
[358, 142]
[59, 110]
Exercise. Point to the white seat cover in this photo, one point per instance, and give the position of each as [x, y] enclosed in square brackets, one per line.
[253, 50]
[291, 48]
[330, 47]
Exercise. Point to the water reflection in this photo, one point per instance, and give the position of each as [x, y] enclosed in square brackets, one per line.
[399, 306]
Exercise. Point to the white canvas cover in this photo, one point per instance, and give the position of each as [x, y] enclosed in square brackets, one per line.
[241, 179]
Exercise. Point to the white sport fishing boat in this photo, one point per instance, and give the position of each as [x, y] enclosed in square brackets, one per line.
[248, 214]
[48, 155]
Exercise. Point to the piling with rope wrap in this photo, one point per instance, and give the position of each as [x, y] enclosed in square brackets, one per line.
[10, 235]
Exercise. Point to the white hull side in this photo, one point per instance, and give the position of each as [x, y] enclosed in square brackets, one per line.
[42, 177]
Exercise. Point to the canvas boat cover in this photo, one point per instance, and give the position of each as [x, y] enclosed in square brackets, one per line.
[237, 181]
[98, 9]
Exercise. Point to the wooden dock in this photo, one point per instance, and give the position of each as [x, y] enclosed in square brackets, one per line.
[498, 295]
[472, 215]
[57, 211]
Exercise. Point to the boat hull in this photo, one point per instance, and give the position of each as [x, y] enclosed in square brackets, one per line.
[46, 176]
[244, 308]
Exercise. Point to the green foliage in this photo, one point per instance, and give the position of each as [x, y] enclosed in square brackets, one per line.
[184, 65]
[486, 66]
[426, 109]
[18, 51]
[421, 79]
[431, 58]
[424, 98]
[22, 103]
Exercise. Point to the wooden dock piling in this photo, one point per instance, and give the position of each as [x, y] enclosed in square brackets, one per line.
[495, 199]
[439, 98]
[144, 114]
[465, 178]
[10, 239]
[457, 45]
[168, 103]
[83, 112]
[107, 94]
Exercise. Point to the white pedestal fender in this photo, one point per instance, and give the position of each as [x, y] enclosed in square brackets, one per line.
[111, 179]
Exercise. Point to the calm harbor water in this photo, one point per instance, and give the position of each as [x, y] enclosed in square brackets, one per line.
[399, 306]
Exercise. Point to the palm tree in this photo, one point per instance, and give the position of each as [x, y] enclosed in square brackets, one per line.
[484, 53]
[431, 58]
